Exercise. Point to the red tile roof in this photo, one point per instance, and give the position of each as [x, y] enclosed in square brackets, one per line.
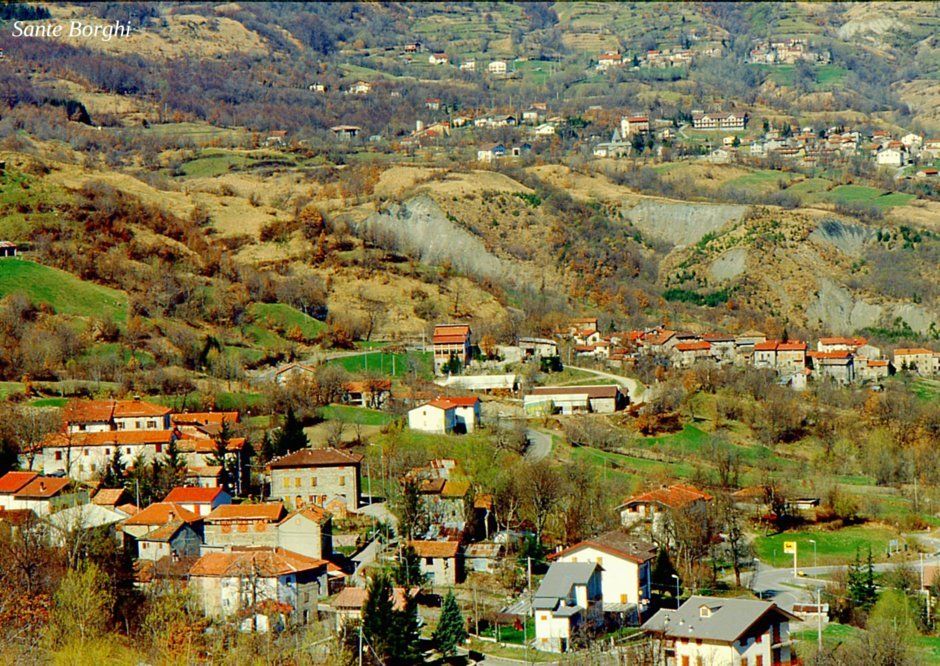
[162, 513]
[270, 512]
[13, 481]
[693, 346]
[108, 496]
[42, 487]
[109, 438]
[354, 598]
[204, 418]
[191, 495]
[317, 458]
[435, 548]
[191, 444]
[675, 496]
[262, 562]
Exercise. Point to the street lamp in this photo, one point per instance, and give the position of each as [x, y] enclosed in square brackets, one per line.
[815, 561]
[754, 577]
[677, 589]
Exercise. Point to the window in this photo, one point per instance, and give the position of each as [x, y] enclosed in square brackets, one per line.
[759, 660]
[127, 450]
[342, 480]
[152, 424]
[297, 482]
[84, 452]
[107, 452]
[428, 561]
[313, 482]
[159, 448]
[58, 455]
[759, 638]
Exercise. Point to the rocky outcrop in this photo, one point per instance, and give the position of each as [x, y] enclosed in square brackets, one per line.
[681, 223]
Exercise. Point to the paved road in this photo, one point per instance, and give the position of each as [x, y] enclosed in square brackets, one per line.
[635, 389]
[782, 587]
[540, 445]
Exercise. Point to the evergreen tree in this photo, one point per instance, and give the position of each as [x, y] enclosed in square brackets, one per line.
[377, 612]
[291, 437]
[175, 465]
[663, 570]
[114, 473]
[408, 571]
[220, 457]
[861, 582]
[451, 630]
[266, 448]
[869, 587]
[406, 648]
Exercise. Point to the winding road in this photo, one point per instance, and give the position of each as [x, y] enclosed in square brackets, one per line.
[635, 389]
[540, 445]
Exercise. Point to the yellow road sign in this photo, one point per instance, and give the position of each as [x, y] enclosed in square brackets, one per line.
[789, 547]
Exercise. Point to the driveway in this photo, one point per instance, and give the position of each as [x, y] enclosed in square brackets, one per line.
[540, 445]
[634, 389]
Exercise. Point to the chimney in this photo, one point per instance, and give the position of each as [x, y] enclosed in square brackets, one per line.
[42, 486]
[171, 516]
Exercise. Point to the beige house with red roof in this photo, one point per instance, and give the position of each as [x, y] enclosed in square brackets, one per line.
[258, 582]
[445, 415]
[920, 360]
[153, 518]
[348, 604]
[200, 501]
[39, 495]
[10, 484]
[327, 477]
[243, 525]
[652, 506]
[689, 353]
[451, 341]
[439, 561]
[93, 429]
[625, 567]
[784, 357]
[373, 394]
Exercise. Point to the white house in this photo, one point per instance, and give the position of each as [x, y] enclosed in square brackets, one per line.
[601, 399]
[443, 415]
[200, 501]
[568, 598]
[545, 129]
[892, 157]
[723, 632]
[625, 567]
[438, 561]
[497, 67]
[438, 59]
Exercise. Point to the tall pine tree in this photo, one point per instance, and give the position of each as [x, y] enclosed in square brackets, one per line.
[291, 437]
[451, 630]
[114, 473]
[377, 613]
[406, 648]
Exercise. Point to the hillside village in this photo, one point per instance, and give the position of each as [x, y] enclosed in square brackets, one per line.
[484, 333]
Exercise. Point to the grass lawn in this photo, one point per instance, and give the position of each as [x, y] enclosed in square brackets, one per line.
[764, 180]
[515, 653]
[7, 388]
[509, 634]
[48, 402]
[123, 354]
[926, 389]
[284, 318]
[360, 415]
[833, 634]
[868, 195]
[384, 363]
[838, 547]
[63, 291]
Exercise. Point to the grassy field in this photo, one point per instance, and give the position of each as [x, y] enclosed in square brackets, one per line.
[64, 292]
[26, 202]
[283, 318]
[868, 195]
[832, 547]
[927, 389]
[389, 364]
[360, 415]
[764, 180]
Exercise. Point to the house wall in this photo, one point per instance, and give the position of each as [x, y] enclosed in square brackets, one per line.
[603, 405]
[620, 578]
[142, 422]
[300, 534]
[153, 550]
[469, 417]
[552, 634]
[240, 533]
[313, 484]
[85, 463]
[440, 570]
[431, 419]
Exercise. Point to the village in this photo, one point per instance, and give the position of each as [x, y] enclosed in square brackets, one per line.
[297, 539]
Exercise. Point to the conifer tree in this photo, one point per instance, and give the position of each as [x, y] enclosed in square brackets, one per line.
[291, 437]
[451, 630]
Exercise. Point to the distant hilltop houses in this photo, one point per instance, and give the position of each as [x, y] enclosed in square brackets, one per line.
[787, 52]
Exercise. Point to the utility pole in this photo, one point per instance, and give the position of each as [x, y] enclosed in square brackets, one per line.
[818, 621]
[476, 611]
[360, 644]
